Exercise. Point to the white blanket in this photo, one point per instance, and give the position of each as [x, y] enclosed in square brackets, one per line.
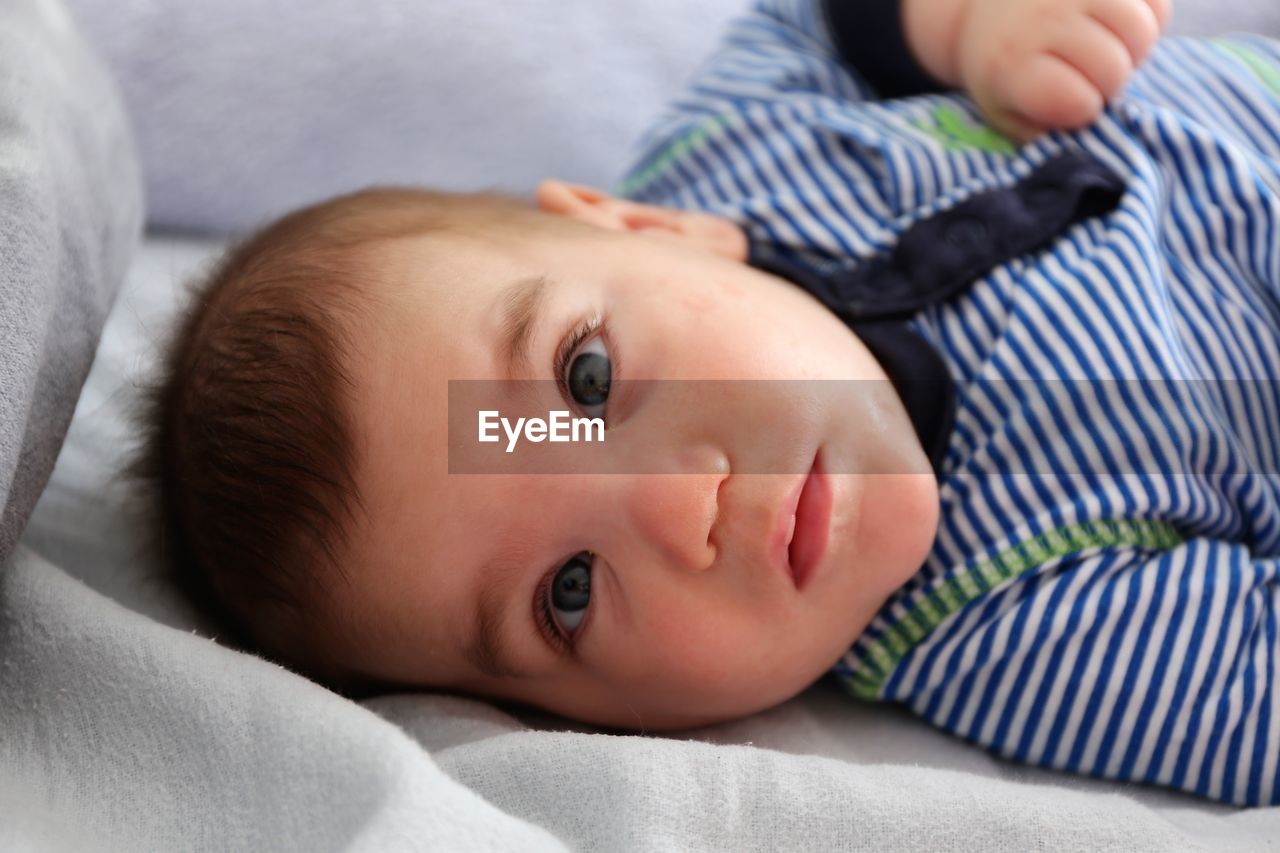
[122, 729]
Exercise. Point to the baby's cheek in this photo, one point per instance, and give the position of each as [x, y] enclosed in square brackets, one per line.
[901, 525]
[689, 650]
[731, 290]
[696, 303]
[726, 654]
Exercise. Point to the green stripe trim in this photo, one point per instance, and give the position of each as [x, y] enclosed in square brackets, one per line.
[666, 156]
[1257, 62]
[955, 133]
[884, 654]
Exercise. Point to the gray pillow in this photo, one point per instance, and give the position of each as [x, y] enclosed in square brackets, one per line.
[245, 109]
[70, 215]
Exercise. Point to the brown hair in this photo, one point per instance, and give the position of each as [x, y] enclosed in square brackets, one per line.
[248, 460]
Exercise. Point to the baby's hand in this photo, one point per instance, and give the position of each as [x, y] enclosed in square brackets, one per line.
[1037, 65]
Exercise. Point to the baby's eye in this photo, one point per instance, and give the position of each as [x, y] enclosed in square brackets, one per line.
[571, 591]
[589, 376]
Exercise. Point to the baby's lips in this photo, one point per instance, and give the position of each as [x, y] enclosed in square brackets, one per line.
[784, 525]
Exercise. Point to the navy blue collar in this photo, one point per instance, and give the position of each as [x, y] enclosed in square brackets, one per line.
[936, 258]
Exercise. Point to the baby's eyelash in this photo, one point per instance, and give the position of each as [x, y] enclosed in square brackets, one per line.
[546, 620]
[576, 338]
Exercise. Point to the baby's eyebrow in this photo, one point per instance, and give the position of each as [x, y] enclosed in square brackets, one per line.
[486, 650]
[522, 303]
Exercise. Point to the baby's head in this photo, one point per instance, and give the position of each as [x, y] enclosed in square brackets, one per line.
[315, 500]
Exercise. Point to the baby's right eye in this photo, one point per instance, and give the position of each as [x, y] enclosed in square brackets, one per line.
[589, 376]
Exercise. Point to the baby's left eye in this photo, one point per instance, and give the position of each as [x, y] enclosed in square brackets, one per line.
[571, 591]
[589, 376]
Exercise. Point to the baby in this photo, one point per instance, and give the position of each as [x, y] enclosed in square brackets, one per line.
[1014, 513]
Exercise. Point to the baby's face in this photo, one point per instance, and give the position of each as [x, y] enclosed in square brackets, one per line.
[660, 585]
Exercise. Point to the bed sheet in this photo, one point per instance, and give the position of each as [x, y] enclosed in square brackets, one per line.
[124, 727]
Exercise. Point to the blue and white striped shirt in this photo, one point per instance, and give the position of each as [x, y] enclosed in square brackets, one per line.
[1104, 589]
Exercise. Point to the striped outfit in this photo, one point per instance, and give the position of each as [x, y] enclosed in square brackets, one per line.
[1103, 593]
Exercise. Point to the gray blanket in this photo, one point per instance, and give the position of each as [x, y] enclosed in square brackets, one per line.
[70, 215]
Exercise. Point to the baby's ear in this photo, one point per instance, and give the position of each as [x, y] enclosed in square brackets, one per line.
[598, 208]
[593, 207]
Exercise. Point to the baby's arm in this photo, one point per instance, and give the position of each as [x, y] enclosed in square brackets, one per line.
[1034, 65]
[1136, 665]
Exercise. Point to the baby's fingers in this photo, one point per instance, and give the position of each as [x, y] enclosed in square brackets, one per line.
[1051, 92]
[1094, 51]
[1163, 10]
[1137, 23]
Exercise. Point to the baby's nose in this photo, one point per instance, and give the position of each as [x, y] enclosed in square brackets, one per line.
[676, 512]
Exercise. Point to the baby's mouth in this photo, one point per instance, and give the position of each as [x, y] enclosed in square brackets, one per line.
[811, 525]
[805, 526]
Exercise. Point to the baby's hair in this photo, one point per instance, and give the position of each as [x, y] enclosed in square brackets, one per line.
[248, 460]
